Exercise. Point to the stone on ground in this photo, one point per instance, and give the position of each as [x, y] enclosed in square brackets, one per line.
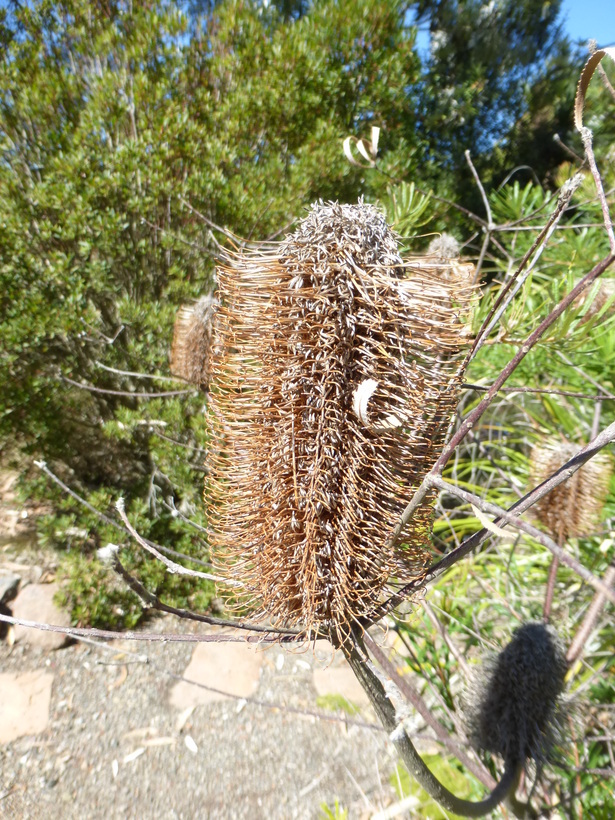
[230, 667]
[24, 705]
[35, 603]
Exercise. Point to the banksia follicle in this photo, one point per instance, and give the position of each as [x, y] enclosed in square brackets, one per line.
[192, 342]
[573, 508]
[334, 379]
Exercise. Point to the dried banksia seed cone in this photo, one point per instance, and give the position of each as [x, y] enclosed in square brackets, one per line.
[334, 379]
[192, 342]
[514, 708]
[603, 295]
[572, 509]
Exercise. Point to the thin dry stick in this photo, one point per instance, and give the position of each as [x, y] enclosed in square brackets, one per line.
[506, 517]
[445, 637]
[235, 240]
[516, 281]
[166, 550]
[471, 543]
[591, 618]
[539, 390]
[163, 637]
[87, 636]
[128, 393]
[490, 222]
[154, 602]
[412, 696]
[603, 391]
[175, 569]
[546, 610]
[478, 411]
[587, 136]
[137, 375]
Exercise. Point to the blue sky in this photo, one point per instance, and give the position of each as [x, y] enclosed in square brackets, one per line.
[590, 19]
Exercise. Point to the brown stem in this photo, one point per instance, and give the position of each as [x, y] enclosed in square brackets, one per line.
[380, 694]
[591, 617]
[471, 543]
[546, 610]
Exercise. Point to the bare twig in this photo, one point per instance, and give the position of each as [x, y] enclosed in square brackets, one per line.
[172, 567]
[516, 281]
[127, 393]
[162, 637]
[478, 411]
[235, 240]
[166, 550]
[490, 223]
[471, 543]
[137, 375]
[154, 602]
[591, 618]
[414, 698]
[549, 391]
[587, 138]
[508, 517]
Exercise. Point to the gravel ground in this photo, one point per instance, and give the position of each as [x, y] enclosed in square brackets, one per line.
[115, 747]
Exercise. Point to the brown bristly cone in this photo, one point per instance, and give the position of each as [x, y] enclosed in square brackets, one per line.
[192, 341]
[603, 294]
[335, 377]
[572, 509]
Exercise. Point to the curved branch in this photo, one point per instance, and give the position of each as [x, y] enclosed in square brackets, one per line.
[380, 695]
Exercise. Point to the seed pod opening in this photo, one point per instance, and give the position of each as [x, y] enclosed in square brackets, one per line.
[573, 508]
[335, 375]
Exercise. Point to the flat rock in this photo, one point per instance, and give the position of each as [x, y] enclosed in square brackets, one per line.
[227, 667]
[340, 680]
[35, 603]
[24, 705]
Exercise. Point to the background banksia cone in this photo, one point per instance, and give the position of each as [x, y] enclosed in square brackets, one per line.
[514, 708]
[192, 342]
[572, 509]
[333, 382]
[604, 293]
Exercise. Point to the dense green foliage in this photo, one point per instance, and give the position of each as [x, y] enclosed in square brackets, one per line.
[121, 127]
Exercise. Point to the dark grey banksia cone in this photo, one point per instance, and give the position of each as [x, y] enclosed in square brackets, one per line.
[333, 380]
[514, 710]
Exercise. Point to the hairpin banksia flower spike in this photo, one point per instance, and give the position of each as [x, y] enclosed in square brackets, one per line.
[572, 509]
[334, 377]
[192, 342]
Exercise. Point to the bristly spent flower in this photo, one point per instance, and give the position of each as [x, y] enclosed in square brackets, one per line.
[334, 377]
[572, 509]
[192, 342]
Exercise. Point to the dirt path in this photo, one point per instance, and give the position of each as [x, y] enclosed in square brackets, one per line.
[125, 738]
[115, 731]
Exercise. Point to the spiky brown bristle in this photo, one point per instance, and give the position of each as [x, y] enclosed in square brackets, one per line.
[192, 341]
[572, 509]
[335, 380]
